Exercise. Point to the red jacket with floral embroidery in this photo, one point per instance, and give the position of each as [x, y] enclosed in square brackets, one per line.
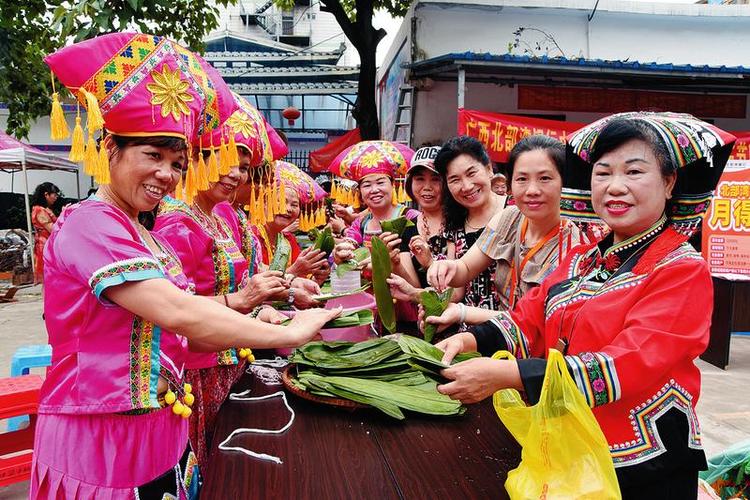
[631, 341]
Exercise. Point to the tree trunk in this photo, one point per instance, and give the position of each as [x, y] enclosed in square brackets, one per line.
[365, 39]
[365, 109]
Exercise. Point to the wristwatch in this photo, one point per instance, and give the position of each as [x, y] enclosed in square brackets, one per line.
[290, 299]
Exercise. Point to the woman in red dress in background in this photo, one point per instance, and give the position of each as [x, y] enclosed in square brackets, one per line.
[43, 218]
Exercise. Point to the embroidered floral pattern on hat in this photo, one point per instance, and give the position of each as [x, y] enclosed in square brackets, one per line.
[241, 123]
[170, 92]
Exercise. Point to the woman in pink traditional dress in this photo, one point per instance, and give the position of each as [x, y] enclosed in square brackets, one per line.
[206, 237]
[111, 417]
[42, 218]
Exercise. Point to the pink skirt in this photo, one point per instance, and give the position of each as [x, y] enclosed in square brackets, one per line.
[109, 456]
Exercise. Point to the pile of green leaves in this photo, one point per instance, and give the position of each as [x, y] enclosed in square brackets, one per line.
[397, 225]
[389, 374]
[434, 304]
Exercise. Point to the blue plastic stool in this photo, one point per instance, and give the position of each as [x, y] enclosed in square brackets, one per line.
[25, 358]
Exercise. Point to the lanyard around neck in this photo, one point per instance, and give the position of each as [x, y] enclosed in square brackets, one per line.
[516, 268]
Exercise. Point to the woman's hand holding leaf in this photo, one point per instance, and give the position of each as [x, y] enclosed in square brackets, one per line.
[402, 289]
[456, 344]
[441, 272]
[476, 379]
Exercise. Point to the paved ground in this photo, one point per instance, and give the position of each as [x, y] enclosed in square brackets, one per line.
[723, 410]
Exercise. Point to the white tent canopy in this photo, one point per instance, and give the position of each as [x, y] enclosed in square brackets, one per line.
[16, 156]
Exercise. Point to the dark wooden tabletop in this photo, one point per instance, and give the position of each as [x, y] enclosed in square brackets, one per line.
[333, 453]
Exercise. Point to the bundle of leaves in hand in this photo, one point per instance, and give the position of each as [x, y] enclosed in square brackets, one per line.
[360, 255]
[281, 256]
[381, 271]
[390, 375]
[396, 225]
[324, 241]
[434, 304]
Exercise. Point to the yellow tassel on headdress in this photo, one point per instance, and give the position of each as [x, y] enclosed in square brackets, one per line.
[58, 125]
[103, 163]
[394, 196]
[202, 174]
[320, 217]
[251, 210]
[77, 146]
[282, 198]
[212, 169]
[355, 199]
[224, 167]
[190, 185]
[90, 158]
[94, 120]
[333, 190]
[233, 153]
[308, 221]
[178, 194]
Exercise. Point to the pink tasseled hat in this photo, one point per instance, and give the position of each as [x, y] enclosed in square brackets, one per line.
[133, 84]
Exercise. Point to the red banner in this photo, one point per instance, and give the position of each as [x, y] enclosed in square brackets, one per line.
[321, 159]
[611, 101]
[499, 133]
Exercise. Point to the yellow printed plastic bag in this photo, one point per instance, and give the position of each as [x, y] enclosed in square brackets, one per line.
[564, 453]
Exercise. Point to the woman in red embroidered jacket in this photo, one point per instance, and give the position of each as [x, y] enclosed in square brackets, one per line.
[631, 312]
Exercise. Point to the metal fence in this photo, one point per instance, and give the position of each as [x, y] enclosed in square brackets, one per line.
[301, 158]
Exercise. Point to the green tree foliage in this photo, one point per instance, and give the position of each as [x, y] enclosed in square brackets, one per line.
[355, 19]
[31, 29]
[25, 38]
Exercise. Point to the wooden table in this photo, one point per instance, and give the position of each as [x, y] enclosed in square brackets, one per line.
[332, 453]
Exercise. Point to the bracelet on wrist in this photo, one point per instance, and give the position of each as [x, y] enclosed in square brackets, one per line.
[255, 312]
[226, 300]
[462, 313]
[290, 299]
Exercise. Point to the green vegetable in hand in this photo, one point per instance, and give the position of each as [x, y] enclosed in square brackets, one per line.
[396, 225]
[381, 270]
[434, 304]
[281, 256]
[360, 254]
[324, 241]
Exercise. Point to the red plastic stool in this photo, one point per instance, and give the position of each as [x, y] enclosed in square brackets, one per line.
[18, 396]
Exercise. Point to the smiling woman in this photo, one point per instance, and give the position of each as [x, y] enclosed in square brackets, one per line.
[468, 205]
[113, 409]
[629, 313]
[525, 242]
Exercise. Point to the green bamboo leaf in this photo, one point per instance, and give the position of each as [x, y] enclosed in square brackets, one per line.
[281, 256]
[324, 241]
[381, 270]
[397, 225]
[434, 304]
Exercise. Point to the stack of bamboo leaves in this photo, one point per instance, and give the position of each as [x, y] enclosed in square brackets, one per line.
[389, 374]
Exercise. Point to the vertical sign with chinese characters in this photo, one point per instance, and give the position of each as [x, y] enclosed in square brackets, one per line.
[726, 226]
